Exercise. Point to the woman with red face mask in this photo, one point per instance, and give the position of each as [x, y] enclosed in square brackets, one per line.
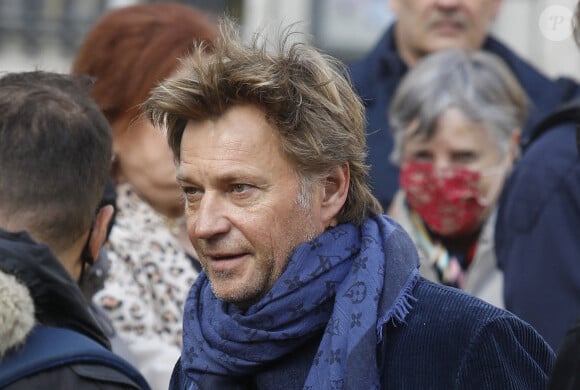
[456, 117]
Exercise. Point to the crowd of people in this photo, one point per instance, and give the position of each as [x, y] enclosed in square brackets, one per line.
[188, 210]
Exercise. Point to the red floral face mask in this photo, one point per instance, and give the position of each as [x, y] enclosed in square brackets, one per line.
[447, 201]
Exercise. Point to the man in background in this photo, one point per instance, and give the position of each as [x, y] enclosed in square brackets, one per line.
[537, 239]
[422, 27]
[55, 153]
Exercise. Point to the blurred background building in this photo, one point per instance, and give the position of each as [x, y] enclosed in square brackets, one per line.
[44, 34]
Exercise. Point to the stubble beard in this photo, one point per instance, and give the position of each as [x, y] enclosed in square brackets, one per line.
[245, 292]
[240, 292]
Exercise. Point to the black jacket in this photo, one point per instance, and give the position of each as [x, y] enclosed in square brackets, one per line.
[566, 373]
[37, 289]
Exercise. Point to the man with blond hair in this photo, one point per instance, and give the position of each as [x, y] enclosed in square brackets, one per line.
[305, 284]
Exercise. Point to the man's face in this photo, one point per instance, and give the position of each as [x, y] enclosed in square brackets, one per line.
[425, 26]
[243, 214]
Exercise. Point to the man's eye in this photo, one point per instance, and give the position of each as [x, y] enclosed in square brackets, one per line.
[240, 188]
[190, 191]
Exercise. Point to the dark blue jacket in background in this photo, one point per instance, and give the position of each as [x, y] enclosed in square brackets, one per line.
[537, 234]
[377, 76]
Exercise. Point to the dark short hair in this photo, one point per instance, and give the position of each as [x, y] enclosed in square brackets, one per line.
[131, 49]
[306, 95]
[55, 153]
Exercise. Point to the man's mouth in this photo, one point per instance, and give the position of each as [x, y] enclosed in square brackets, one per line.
[447, 27]
[221, 262]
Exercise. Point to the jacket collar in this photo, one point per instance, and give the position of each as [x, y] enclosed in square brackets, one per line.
[391, 61]
[57, 299]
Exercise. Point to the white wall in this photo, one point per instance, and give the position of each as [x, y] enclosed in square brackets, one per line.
[270, 15]
[518, 25]
[350, 22]
[49, 58]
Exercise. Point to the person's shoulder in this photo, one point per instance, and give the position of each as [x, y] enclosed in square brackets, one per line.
[546, 174]
[375, 53]
[99, 374]
[522, 68]
[494, 45]
[450, 311]
[84, 376]
[458, 305]
[364, 71]
[483, 346]
[554, 149]
[63, 358]
[549, 159]
[469, 319]
[546, 93]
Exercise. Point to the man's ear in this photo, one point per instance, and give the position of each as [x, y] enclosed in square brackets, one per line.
[99, 232]
[336, 188]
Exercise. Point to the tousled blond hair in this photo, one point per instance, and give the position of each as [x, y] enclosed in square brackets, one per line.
[306, 95]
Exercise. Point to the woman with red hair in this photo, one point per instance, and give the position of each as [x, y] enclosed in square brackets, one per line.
[128, 52]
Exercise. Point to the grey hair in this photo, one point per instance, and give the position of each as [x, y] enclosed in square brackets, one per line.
[479, 84]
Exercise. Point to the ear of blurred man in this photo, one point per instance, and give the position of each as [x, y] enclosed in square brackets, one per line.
[98, 235]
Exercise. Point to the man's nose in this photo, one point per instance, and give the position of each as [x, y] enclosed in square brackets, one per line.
[210, 218]
[448, 4]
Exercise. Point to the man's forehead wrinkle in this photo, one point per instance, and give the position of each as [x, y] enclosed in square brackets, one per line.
[223, 150]
[238, 145]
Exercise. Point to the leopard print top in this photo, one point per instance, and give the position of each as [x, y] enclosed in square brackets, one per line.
[150, 275]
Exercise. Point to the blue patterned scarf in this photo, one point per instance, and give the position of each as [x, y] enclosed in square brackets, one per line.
[349, 282]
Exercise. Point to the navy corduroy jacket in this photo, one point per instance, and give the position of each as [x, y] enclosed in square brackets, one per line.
[450, 340]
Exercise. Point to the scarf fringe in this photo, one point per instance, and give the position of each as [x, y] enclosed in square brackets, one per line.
[401, 308]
